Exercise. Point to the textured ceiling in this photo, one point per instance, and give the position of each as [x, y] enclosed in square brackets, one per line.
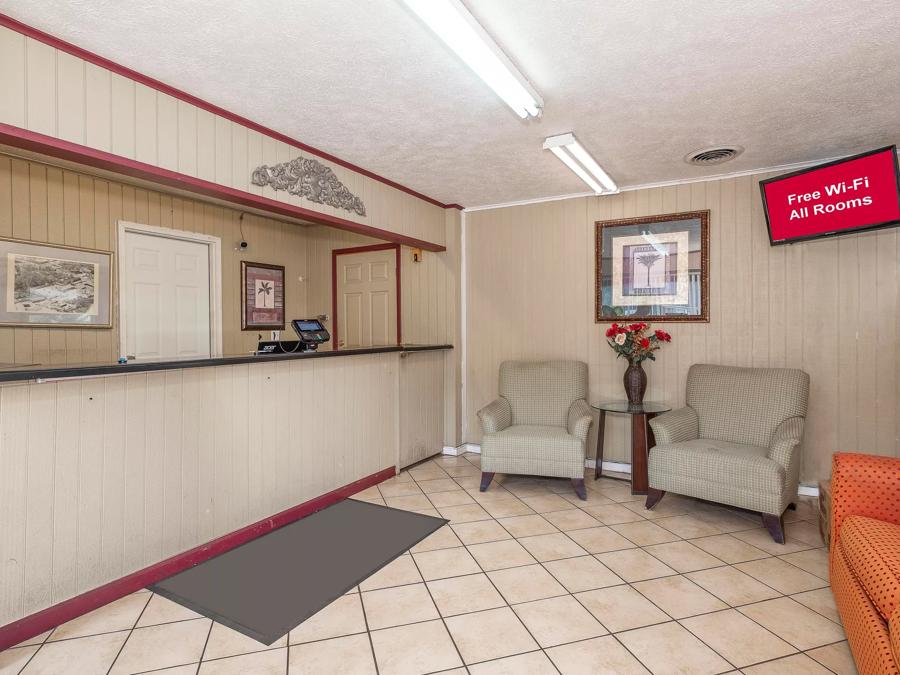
[640, 83]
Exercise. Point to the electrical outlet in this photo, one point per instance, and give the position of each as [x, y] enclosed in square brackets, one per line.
[276, 334]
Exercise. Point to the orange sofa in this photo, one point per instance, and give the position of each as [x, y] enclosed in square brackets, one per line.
[865, 558]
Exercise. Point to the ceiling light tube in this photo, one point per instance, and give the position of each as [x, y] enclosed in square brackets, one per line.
[456, 26]
[567, 148]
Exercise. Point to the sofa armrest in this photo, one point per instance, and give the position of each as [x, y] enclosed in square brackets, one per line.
[676, 426]
[786, 439]
[863, 485]
[579, 419]
[495, 416]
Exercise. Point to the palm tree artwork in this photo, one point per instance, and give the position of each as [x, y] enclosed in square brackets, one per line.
[648, 260]
[267, 290]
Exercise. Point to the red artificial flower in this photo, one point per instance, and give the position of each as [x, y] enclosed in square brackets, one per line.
[645, 343]
[610, 332]
[663, 335]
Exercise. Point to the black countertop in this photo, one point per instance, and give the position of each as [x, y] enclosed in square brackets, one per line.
[43, 372]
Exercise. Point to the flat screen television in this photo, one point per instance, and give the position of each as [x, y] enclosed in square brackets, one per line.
[848, 195]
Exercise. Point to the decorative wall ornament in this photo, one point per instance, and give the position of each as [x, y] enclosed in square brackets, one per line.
[309, 178]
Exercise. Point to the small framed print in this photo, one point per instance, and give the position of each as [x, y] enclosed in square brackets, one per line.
[56, 286]
[653, 268]
[262, 296]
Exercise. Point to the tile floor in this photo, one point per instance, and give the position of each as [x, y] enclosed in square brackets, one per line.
[525, 579]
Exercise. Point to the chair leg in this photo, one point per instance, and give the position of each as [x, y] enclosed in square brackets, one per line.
[792, 506]
[578, 484]
[653, 497]
[775, 525]
[486, 478]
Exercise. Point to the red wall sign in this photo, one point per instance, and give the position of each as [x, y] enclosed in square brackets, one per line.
[860, 192]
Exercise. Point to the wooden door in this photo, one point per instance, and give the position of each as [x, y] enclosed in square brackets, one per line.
[366, 298]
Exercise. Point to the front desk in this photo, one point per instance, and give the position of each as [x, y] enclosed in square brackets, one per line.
[107, 469]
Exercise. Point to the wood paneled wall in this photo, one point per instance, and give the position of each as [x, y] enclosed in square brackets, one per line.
[421, 405]
[54, 93]
[103, 476]
[830, 307]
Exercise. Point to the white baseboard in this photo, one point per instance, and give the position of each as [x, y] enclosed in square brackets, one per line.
[450, 450]
[808, 490]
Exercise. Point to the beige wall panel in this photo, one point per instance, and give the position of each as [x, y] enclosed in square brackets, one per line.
[12, 77]
[123, 115]
[70, 102]
[40, 87]
[146, 131]
[421, 406]
[98, 107]
[829, 307]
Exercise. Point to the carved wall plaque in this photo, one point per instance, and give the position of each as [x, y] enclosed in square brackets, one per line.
[306, 177]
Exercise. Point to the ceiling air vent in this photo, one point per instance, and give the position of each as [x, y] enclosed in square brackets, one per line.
[709, 156]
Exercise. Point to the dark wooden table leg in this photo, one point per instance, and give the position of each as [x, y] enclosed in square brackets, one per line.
[639, 432]
[598, 456]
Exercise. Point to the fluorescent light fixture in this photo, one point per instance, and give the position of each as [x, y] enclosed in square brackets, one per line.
[456, 26]
[574, 156]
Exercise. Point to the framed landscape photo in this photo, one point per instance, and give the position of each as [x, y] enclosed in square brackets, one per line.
[262, 296]
[51, 285]
[653, 268]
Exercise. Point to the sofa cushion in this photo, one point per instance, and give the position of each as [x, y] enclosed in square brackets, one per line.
[872, 549]
[744, 466]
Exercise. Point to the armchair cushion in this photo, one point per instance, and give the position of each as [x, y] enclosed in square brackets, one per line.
[872, 550]
[579, 420]
[675, 426]
[540, 450]
[495, 416]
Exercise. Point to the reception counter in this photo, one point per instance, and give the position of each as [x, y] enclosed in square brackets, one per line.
[111, 476]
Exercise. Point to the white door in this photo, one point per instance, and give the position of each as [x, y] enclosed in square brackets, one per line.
[165, 297]
[367, 299]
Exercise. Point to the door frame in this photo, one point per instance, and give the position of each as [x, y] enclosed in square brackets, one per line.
[214, 248]
[334, 303]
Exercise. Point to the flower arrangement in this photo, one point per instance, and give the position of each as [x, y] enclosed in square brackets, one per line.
[635, 341]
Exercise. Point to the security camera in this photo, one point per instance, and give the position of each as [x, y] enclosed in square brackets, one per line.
[242, 246]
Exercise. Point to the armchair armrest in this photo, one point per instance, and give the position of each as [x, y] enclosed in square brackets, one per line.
[786, 439]
[676, 426]
[495, 416]
[579, 419]
[863, 485]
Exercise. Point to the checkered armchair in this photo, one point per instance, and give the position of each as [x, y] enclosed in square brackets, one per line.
[539, 425]
[736, 442]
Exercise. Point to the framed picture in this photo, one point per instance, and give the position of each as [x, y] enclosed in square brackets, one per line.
[262, 296]
[653, 268]
[51, 285]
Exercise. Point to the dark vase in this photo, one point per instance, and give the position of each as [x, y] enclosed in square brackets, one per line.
[635, 384]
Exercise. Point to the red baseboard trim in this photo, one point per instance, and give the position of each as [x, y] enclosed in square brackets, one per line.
[112, 66]
[13, 633]
[99, 159]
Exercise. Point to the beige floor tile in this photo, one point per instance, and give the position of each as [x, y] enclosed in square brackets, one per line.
[446, 562]
[351, 655]
[600, 656]
[532, 663]
[791, 621]
[729, 549]
[451, 498]
[369, 500]
[670, 649]
[408, 502]
[571, 519]
[620, 493]
[426, 472]
[160, 610]
[584, 573]
[804, 531]
[737, 638]
[781, 576]
[469, 482]
[39, 639]
[679, 597]
[689, 527]
[555, 546]
[820, 600]
[417, 648]
[438, 485]
[480, 532]
[836, 657]
[367, 493]
[272, 662]
[342, 617]
[161, 646]
[683, 556]
[523, 584]
[445, 537]
[732, 585]
[644, 533]
[465, 513]
[490, 634]
[224, 642]
[600, 540]
[633, 564]
[672, 505]
[594, 498]
[556, 621]
[494, 495]
[461, 595]
[807, 509]
[498, 555]
[547, 503]
[13, 660]
[621, 608]
[814, 561]
[763, 540]
[428, 512]
[399, 489]
[401, 570]
[798, 664]
[87, 655]
[507, 508]
[397, 606]
[118, 615]
[527, 526]
[728, 520]
[613, 514]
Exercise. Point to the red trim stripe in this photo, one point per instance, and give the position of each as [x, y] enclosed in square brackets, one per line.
[100, 159]
[35, 624]
[153, 83]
